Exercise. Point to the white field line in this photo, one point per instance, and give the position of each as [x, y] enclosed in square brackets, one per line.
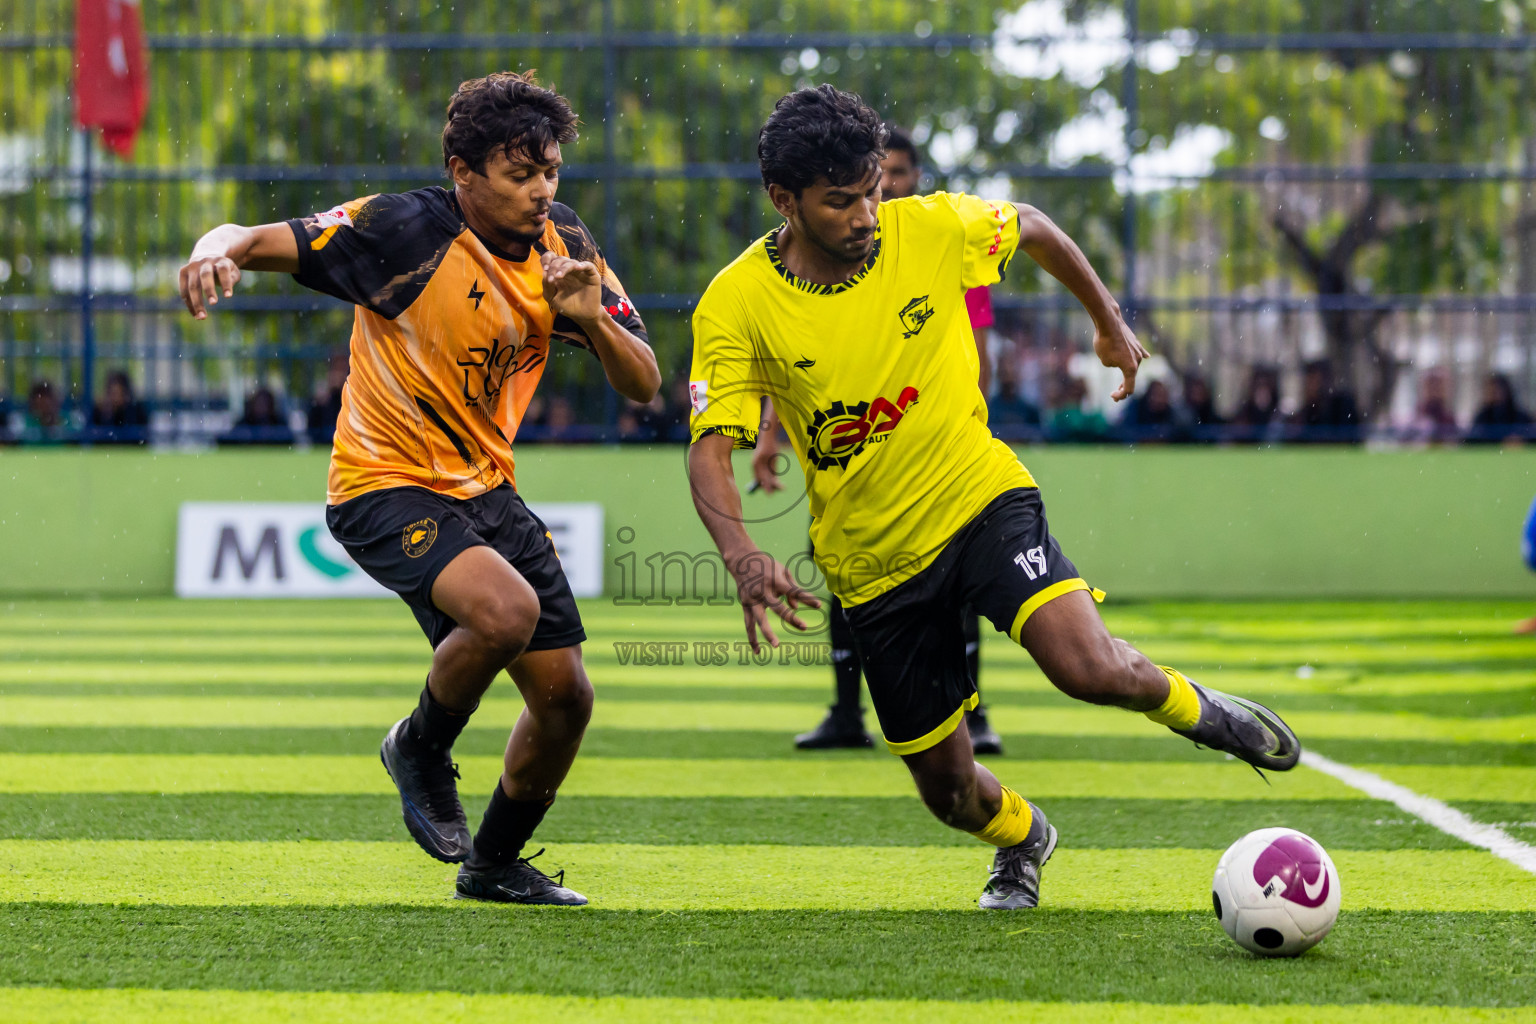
[1441, 815]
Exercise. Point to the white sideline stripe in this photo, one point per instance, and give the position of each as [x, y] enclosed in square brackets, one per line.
[1441, 815]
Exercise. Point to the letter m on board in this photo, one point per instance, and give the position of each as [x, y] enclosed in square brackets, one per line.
[229, 542]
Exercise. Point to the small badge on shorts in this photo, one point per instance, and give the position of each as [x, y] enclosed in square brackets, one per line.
[418, 537]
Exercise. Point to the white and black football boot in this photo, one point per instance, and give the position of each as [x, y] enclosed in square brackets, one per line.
[1015, 880]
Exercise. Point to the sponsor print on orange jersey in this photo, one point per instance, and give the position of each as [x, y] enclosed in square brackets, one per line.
[449, 339]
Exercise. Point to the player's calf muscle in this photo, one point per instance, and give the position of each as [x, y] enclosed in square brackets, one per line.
[958, 791]
[1068, 641]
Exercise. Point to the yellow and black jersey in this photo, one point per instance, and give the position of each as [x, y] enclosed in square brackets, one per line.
[449, 340]
[875, 381]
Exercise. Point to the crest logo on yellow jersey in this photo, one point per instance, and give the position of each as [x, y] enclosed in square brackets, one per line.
[842, 430]
[915, 316]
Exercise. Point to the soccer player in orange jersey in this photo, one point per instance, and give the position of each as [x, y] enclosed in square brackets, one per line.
[459, 293]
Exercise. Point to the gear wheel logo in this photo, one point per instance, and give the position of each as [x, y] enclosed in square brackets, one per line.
[837, 434]
[842, 430]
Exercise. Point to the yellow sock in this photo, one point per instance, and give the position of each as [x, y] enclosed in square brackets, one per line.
[1011, 825]
[1182, 708]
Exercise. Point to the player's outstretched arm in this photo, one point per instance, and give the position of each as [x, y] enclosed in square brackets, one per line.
[574, 289]
[220, 255]
[761, 582]
[1113, 341]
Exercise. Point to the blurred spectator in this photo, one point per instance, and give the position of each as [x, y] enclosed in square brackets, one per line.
[1151, 416]
[43, 422]
[119, 418]
[1499, 418]
[643, 422]
[533, 416]
[1326, 414]
[560, 420]
[325, 410]
[260, 423]
[1434, 420]
[1010, 414]
[1200, 405]
[1069, 420]
[1260, 406]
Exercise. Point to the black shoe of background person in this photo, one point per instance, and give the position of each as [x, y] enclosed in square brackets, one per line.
[984, 739]
[429, 800]
[517, 882]
[839, 730]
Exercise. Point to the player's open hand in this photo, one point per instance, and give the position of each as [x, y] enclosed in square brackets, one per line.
[1117, 347]
[203, 278]
[762, 583]
[572, 287]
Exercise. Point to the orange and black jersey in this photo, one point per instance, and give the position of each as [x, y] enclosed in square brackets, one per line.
[450, 337]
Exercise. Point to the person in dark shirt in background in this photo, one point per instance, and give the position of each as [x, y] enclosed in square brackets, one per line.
[44, 421]
[1152, 417]
[326, 408]
[1434, 420]
[1500, 417]
[1260, 406]
[1327, 414]
[119, 418]
[260, 422]
[1205, 422]
[1010, 415]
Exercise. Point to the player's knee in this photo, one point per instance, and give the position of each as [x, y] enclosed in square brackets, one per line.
[571, 700]
[505, 623]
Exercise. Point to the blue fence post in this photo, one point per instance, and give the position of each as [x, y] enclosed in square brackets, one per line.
[1128, 210]
[610, 239]
[87, 316]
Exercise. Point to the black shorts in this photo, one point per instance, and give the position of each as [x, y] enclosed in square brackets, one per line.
[405, 536]
[1004, 564]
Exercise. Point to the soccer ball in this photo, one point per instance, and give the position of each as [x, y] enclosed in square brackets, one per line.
[1276, 892]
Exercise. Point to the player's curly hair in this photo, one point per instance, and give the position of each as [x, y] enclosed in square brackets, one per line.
[509, 111]
[816, 133]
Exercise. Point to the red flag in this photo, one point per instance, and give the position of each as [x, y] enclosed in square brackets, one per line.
[111, 76]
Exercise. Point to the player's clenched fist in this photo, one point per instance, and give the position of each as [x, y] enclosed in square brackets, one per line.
[572, 287]
[203, 278]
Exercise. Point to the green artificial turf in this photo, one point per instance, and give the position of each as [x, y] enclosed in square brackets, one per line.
[1448, 958]
[190, 799]
[791, 821]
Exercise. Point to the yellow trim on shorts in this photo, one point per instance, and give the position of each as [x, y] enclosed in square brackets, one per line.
[937, 735]
[1050, 593]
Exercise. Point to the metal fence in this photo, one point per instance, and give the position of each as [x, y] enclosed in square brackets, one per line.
[664, 172]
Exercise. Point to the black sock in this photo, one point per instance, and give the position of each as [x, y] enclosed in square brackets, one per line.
[846, 667]
[507, 826]
[972, 630]
[433, 727]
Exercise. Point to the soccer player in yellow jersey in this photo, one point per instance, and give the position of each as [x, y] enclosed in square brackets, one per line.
[900, 170]
[851, 318]
[459, 293]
